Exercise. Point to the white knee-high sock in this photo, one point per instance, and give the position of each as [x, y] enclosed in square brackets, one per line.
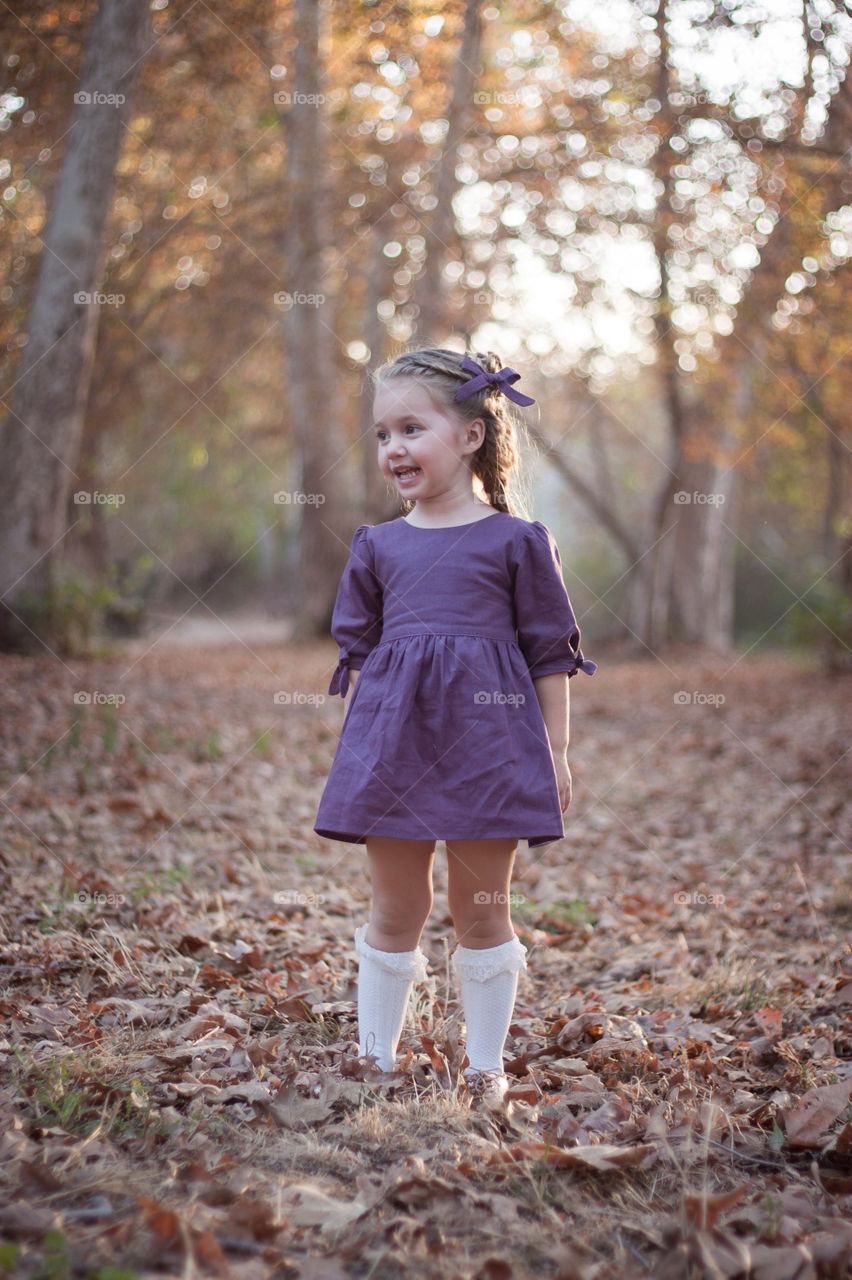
[489, 981]
[385, 979]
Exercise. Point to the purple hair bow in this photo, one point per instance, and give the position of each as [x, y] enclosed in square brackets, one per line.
[500, 380]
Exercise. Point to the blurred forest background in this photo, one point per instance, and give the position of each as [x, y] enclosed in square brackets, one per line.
[217, 218]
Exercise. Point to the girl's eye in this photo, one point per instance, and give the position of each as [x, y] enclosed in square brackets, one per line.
[381, 436]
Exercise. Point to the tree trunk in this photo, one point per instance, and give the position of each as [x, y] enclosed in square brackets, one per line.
[42, 432]
[440, 232]
[666, 516]
[708, 565]
[703, 565]
[702, 547]
[323, 502]
[379, 505]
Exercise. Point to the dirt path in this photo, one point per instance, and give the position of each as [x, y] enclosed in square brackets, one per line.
[207, 630]
[179, 1080]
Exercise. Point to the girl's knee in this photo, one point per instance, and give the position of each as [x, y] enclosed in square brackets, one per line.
[483, 928]
[395, 918]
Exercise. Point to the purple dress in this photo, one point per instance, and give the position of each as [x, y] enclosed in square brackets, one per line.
[444, 737]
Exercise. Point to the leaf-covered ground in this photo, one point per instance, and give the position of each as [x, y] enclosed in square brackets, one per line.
[180, 1091]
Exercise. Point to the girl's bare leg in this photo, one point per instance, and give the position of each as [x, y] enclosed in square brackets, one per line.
[479, 877]
[401, 876]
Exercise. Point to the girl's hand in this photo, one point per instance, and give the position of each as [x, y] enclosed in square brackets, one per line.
[563, 778]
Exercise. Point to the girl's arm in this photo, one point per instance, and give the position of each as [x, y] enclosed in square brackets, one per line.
[353, 677]
[553, 698]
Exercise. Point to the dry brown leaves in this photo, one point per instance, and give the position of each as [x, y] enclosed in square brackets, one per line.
[181, 1092]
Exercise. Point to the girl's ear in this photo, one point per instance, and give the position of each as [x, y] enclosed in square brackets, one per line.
[475, 434]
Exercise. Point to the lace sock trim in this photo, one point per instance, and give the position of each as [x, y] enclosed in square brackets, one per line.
[404, 964]
[480, 964]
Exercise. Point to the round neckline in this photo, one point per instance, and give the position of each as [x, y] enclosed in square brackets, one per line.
[441, 528]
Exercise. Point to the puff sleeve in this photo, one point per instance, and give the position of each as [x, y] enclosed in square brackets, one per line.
[356, 623]
[548, 635]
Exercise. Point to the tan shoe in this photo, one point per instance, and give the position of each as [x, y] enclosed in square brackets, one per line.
[486, 1089]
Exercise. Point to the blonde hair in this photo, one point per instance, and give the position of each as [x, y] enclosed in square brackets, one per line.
[497, 460]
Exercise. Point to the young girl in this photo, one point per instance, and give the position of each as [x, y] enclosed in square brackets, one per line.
[457, 618]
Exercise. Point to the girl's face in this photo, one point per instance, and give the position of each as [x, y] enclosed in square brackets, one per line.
[423, 450]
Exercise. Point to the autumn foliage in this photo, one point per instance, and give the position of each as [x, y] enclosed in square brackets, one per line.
[181, 1089]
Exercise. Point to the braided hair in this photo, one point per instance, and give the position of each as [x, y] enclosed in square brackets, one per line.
[496, 461]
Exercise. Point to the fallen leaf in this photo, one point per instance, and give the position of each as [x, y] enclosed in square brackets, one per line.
[603, 1156]
[807, 1122]
[704, 1210]
[306, 1206]
[21, 1221]
[769, 1021]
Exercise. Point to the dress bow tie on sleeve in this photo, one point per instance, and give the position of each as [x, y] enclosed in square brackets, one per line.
[584, 664]
[340, 679]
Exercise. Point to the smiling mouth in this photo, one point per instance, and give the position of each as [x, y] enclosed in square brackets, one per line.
[404, 473]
